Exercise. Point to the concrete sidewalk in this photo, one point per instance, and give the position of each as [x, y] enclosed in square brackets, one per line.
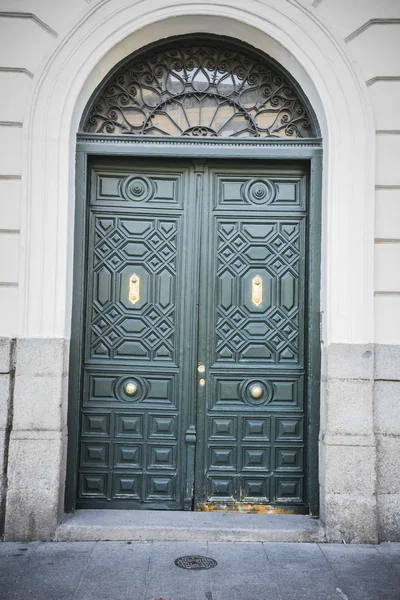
[245, 571]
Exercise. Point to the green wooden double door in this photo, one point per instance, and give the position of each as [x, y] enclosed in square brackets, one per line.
[194, 359]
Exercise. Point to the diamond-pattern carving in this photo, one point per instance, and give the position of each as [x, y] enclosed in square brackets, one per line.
[151, 244]
[271, 331]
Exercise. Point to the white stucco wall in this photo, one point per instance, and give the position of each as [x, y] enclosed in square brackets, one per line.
[369, 35]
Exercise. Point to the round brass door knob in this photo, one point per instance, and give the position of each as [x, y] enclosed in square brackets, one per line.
[131, 388]
[256, 391]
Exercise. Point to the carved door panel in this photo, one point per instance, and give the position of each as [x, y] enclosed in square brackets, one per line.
[135, 372]
[252, 318]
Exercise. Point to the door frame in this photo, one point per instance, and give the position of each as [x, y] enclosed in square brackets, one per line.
[102, 145]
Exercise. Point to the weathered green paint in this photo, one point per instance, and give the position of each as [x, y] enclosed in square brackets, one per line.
[132, 447]
[197, 210]
[254, 224]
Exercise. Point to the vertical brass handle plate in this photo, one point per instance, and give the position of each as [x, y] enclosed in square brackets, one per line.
[134, 289]
[256, 290]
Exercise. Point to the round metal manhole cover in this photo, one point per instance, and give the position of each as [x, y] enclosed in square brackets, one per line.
[195, 563]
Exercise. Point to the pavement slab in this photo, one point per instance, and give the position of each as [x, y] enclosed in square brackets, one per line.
[51, 572]
[244, 571]
[363, 572]
[166, 580]
[14, 560]
[115, 570]
[391, 553]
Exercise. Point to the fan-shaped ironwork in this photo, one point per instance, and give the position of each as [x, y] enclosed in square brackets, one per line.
[199, 90]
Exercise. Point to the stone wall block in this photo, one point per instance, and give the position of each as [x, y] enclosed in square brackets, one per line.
[387, 407]
[322, 504]
[350, 361]
[387, 362]
[350, 518]
[5, 355]
[389, 517]
[38, 403]
[35, 486]
[40, 357]
[349, 407]
[388, 459]
[324, 362]
[66, 344]
[337, 439]
[4, 400]
[322, 467]
[6, 367]
[37, 449]
[323, 406]
[2, 487]
[350, 470]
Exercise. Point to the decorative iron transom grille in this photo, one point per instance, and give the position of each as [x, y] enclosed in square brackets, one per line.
[199, 90]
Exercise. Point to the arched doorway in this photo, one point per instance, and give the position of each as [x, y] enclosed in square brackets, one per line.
[196, 307]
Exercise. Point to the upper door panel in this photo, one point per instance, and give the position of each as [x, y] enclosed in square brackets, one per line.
[135, 232]
[259, 264]
[258, 191]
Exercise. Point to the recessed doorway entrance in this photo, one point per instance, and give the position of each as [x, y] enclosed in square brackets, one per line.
[194, 351]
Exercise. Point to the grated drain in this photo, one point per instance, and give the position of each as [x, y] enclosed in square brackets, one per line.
[195, 563]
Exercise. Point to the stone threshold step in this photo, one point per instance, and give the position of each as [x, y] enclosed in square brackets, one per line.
[162, 525]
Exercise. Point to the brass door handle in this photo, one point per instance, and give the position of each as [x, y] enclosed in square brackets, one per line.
[134, 289]
[201, 369]
[257, 290]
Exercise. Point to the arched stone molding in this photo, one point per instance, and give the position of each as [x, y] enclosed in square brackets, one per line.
[304, 46]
